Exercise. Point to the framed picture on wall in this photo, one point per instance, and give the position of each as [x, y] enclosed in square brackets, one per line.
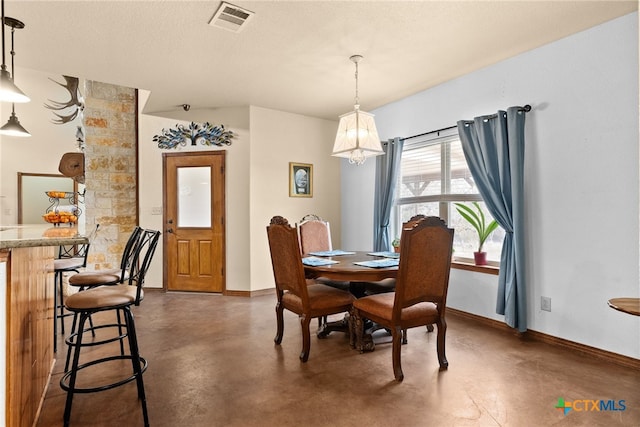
[300, 179]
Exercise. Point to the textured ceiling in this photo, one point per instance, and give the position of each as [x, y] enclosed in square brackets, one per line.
[293, 55]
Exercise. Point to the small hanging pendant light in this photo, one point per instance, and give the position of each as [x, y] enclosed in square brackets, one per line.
[9, 92]
[13, 126]
[357, 137]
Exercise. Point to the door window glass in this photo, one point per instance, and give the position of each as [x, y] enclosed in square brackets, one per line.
[194, 196]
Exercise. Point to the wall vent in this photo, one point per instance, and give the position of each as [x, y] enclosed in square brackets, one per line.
[231, 18]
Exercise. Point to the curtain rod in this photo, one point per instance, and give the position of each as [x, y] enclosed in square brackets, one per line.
[526, 109]
[428, 133]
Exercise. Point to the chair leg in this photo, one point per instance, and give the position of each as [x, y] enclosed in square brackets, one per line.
[306, 337]
[442, 332]
[135, 360]
[119, 323]
[397, 346]
[279, 323]
[74, 371]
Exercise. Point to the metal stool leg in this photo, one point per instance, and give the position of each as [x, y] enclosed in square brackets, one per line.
[73, 330]
[55, 315]
[74, 371]
[61, 300]
[136, 362]
[119, 320]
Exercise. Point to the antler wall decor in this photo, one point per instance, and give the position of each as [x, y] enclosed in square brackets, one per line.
[75, 102]
[206, 133]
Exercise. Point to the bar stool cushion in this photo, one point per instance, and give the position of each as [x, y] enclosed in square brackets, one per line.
[96, 278]
[67, 263]
[104, 297]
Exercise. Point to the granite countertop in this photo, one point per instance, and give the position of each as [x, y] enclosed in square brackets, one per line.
[22, 236]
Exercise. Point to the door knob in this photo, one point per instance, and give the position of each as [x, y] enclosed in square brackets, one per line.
[169, 230]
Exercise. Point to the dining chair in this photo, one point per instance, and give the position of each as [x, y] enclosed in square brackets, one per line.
[314, 234]
[384, 286]
[306, 298]
[70, 259]
[119, 298]
[420, 294]
[389, 285]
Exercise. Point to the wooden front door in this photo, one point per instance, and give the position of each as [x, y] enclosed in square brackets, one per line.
[194, 237]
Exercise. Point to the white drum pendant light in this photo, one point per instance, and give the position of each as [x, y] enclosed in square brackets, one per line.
[357, 136]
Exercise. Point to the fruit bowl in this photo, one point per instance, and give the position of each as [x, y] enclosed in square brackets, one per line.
[59, 194]
[60, 217]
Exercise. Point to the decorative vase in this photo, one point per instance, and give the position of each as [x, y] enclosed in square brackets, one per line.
[480, 258]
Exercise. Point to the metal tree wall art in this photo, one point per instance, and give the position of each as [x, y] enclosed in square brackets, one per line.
[75, 103]
[206, 133]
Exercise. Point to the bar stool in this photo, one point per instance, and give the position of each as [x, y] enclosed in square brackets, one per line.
[70, 259]
[108, 277]
[117, 298]
[91, 279]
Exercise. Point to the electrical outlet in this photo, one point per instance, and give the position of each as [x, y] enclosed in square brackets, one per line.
[156, 210]
[545, 303]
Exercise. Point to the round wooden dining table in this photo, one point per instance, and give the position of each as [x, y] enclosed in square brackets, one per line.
[346, 271]
[626, 305]
[357, 275]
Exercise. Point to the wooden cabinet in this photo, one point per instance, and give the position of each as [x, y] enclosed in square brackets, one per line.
[29, 335]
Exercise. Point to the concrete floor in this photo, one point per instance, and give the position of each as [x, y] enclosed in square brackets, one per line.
[212, 362]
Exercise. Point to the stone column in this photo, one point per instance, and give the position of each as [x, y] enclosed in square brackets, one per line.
[110, 169]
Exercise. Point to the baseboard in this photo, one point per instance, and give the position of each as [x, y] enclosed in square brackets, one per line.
[597, 353]
[249, 294]
[228, 293]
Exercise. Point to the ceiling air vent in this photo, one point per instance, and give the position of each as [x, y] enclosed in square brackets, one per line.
[230, 17]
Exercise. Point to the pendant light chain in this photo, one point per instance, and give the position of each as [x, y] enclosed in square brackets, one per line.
[4, 67]
[357, 99]
[13, 52]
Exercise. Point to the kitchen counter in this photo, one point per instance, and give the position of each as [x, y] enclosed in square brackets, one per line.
[24, 236]
[27, 289]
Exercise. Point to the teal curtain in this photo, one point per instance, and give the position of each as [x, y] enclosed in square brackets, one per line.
[494, 149]
[387, 170]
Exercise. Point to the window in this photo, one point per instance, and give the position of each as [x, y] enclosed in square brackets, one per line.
[433, 175]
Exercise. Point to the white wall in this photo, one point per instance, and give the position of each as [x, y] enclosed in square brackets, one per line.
[357, 204]
[278, 138]
[581, 178]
